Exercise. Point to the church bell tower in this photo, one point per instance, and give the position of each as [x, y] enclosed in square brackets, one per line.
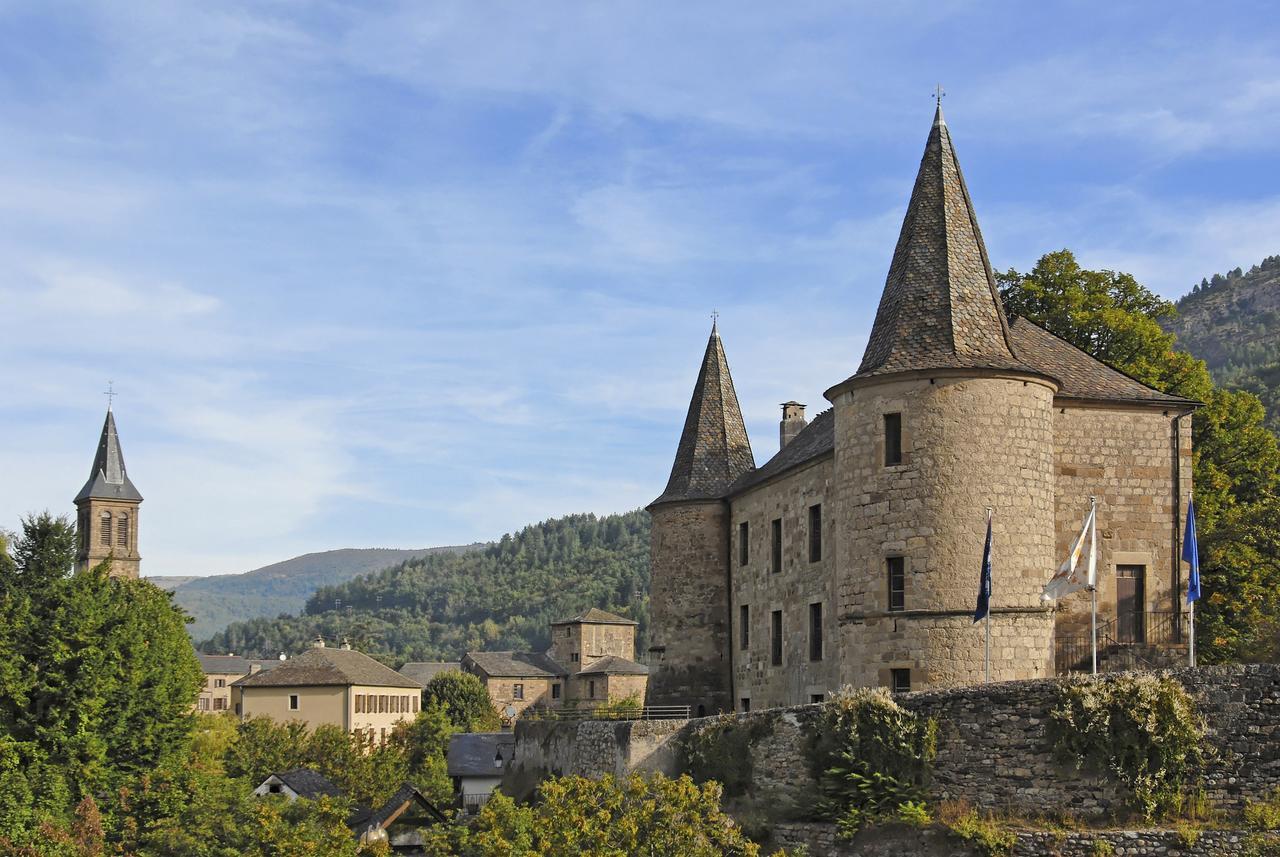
[107, 510]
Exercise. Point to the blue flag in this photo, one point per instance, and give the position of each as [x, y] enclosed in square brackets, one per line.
[1191, 553]
[984, 583]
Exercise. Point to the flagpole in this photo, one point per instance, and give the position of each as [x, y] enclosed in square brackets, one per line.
[988, 653]
[1191, 614]
[1093, 587]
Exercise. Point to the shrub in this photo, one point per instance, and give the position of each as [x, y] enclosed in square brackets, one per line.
[1102, 848]
[914, 813]
[465, 699]
[987, 835]
[869, 756]
[1263, 814]
[1141, 729]
[720, 750]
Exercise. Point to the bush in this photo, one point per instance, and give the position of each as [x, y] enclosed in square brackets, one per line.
[465, 699]
[869, 756]
[914, 813]
[987, 835]
[1263, 814]
[1141, 729]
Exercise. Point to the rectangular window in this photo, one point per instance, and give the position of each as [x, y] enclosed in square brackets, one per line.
[122, 531]
[591, 689]
[219, 703]
[573, 656]
[815, 698]
[204, 703]
[293, 702]
[219, 682]
[415, 704]
[776, 545]
[775, 639]
[815, 632]
[744, 552]
[892, 439]
[815, 533]
[105, 534]
[517, 691]
[359, 703]
[382, 704]
[897, 583]
[746, 703]
[900, 680]
[744, 627]
[555, 690]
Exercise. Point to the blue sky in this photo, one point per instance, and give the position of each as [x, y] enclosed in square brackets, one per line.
[407, 274]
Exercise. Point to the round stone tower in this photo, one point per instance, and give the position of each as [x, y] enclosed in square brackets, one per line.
[941, 422]
[689, 651]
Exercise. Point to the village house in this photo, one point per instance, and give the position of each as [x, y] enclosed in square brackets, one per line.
[591, 662]
[336, 686]
[220, 672]
[476, 763]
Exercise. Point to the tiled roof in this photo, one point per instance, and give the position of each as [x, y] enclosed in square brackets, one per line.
[614, 665]
[472, 754]
[596, 616]
[308, 783]
[224, 664]
[325, 666]
[714, 449]
[1080, 375]
[940, 308]
[108, 479]
[424, 671]
[395, 807]
[814, 440]
[515, 664]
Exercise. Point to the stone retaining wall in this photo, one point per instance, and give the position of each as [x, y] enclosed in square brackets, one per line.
[992, 749]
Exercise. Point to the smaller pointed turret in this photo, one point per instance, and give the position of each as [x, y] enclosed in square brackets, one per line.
[714, 449]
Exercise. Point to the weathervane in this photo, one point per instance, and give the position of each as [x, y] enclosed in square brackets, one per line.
[938, 94]
[110, 393]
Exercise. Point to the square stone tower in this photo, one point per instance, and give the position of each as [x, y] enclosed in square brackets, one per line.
[107, 510]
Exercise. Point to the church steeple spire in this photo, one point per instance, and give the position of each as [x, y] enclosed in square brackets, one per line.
[714, 449]
[107, 509]
[940, 307]
[108, 479]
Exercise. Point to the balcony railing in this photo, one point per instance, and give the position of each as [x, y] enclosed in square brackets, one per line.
[1127, 642]
[646, 712]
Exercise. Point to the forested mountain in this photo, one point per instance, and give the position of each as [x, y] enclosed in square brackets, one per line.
[282, 587]
[1232, 322]
[500, 597]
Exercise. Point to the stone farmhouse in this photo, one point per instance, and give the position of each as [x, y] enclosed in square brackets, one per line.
[325, 685]
[852, 555]
[591, 662]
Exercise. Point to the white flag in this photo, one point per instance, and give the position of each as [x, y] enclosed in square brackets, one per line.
[1068, 579]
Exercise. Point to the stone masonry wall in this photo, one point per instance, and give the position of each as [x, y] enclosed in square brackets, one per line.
[992, 749]
[1125, 459]
[968, 443]
[798, 584]
[689, 606]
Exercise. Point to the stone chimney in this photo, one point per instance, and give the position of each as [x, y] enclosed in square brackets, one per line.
[793, 422]
[318, 642]
[346, 644]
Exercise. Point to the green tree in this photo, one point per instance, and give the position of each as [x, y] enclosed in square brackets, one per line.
[1236, 459]
[610, 818]
[464, 699]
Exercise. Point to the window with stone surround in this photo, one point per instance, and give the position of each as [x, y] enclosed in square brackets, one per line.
[746, 704]
[555, 690]
[775, 562]
[900, 680]
[359, 707]
[744, 552]
[122, 531]
[815, 632]
[897, 567]
[591, 690]
[517, 691]
[744, 627]
[892, 439]
[775, 638]
[815, 533]
[104, 534]
[293, 702]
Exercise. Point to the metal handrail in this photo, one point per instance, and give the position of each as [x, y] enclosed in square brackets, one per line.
[1156, 629]
[644, 712]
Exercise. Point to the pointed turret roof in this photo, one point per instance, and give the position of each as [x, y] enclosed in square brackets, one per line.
[940, 307]
[714, 449]
[109, 480]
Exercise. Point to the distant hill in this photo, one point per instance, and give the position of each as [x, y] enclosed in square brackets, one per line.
[1232, 322]
[170, 582]
[499, 597]
[282, 587]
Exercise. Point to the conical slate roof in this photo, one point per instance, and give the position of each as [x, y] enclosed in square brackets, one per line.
[714, 449]
[109, 480]
[940, 307]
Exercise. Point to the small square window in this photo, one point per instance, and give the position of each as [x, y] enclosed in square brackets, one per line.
[293, 702]
[900, 680]
[574, 657]
[816, 698]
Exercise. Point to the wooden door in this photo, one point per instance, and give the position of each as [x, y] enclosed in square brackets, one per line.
[1130, 598]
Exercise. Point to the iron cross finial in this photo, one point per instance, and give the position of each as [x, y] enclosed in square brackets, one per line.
[939, 93]
[110, 393]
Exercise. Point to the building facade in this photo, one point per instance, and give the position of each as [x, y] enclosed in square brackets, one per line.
[852, 556]
[220, 673]
[107, 510]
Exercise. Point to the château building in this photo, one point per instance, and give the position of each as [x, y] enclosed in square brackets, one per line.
[107, 510]
[852, 555]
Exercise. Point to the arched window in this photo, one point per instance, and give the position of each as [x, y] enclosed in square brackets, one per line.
[122, 530]
[105, 536]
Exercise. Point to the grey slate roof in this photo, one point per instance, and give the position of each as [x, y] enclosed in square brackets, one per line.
[940, 307]
[614, 665]
[472, 754]
[224, 664]
[714, 449]
[308, 783]
[1080, 375]
[815, 439]
[325, 666]
[108, 479]
[596, 616]
[424, 671]
[514, 664]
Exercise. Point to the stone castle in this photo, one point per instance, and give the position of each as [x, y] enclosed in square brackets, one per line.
[852, 555]
[107, 510]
